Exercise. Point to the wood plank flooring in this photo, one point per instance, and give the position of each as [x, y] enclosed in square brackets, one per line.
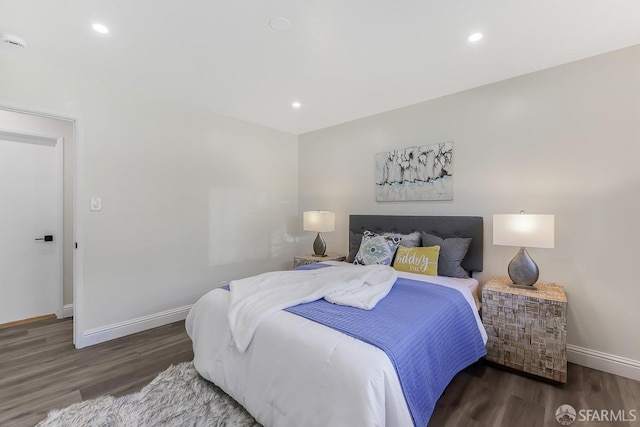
[28, 320]
[40, 370]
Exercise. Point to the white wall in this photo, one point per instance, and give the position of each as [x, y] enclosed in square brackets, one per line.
[563, 141]
[10, 120]
[181, 189]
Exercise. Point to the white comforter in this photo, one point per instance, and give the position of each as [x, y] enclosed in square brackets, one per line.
[257, 297]
[299, 373]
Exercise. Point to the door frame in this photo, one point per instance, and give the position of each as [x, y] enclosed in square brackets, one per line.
[78, 217]
[22, 137]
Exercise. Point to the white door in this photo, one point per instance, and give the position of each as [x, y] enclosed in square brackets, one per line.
[30, 209]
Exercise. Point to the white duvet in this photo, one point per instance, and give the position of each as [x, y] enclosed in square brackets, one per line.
[299, 373]
[255, 298]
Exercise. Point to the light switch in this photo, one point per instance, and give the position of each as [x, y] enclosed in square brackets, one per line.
[96, 204]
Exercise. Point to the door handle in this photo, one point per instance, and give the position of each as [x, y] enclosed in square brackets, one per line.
[46, 238]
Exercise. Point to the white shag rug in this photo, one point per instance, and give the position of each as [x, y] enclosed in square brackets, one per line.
[178, 396]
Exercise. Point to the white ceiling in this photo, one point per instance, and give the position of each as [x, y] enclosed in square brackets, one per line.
[342, 59]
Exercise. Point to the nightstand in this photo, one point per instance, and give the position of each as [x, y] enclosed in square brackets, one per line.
[527, 328]
[301, 260]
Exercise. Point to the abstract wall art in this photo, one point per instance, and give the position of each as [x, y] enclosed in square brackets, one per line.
[416, 173]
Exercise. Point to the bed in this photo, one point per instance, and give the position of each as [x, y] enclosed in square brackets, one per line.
[299, 372]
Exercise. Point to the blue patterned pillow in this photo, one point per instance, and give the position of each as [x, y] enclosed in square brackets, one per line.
[376, 249]
[411, 240]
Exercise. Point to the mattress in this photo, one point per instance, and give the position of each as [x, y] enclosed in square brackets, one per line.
[298, 372]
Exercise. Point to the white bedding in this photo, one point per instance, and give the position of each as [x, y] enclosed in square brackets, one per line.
[297, 372]
[257, 297]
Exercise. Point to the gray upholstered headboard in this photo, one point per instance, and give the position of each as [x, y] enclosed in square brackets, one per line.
[442, 226]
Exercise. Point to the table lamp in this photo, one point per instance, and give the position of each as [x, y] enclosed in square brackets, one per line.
[322, 222]
[523, 230]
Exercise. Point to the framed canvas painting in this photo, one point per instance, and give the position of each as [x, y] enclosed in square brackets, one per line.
[416, 173]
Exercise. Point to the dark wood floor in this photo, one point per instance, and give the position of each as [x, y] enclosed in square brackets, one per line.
[40, 370]
[485, 396]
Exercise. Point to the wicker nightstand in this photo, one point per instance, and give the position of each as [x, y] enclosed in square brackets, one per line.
[527, 328]
[301, 260]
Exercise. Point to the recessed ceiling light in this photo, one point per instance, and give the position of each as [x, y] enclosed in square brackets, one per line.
[280, 23]
[296, 104]
[475, 37]
[100, 28]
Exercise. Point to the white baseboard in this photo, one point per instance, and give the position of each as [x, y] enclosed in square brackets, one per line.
[617, 365]
[594, 359]
[67, 310]
[128, 327]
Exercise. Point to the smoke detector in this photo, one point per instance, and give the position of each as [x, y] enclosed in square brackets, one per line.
[12, 40]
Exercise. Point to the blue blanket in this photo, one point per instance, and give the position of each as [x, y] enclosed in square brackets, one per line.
[428, 331]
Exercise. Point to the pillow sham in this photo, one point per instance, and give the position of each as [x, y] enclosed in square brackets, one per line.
[452, 252]
[410, 240]
[376, 249]
[417, 260]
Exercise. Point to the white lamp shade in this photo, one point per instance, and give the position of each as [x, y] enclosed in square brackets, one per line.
[320, 221]
[524, 230]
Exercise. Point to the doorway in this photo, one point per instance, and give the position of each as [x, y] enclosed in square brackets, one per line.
[37, 243]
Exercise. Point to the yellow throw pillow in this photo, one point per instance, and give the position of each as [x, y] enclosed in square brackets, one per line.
[417, 260]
